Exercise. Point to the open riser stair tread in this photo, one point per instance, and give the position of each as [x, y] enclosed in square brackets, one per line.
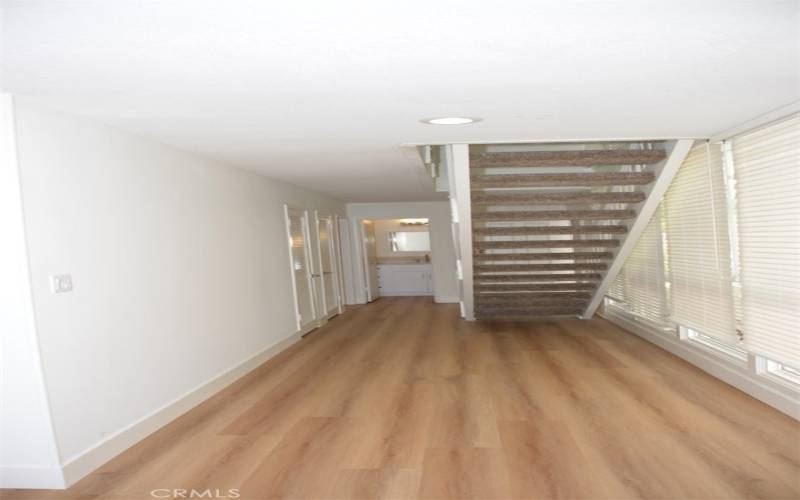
[502, 296]
[599, 243]
[533, 287]
[479, 182]
[553, 215]
[494, 257]
[578, 158]
[533, 311]
[538, 277]
[548, 221]
[556, 198]
[539, 301]
[548, 230]
[522, 268]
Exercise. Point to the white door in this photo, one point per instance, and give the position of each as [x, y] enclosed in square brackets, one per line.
[329, 284]
[370, 260]
[300, 261]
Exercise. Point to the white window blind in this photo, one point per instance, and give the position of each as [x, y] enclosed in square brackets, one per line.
[698, 248]
[640, 284]
[767, 167]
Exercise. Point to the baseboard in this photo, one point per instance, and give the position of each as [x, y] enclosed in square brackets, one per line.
[446, 299]
[33, 477]
[405, 294]
[79, 466]
[766, 392]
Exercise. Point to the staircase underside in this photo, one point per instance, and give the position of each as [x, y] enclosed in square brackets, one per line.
[546, 222]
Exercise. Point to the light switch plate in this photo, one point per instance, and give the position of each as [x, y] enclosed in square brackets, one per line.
[61, 283]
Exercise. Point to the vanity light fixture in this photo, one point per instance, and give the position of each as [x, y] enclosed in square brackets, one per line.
[450, 120]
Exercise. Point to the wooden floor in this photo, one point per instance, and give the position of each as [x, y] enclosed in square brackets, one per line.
[401, 399]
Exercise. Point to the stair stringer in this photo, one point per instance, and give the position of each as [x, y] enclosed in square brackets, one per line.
[456, 161]
[676, 152]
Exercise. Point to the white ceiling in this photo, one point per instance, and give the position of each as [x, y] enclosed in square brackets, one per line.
[322, 93]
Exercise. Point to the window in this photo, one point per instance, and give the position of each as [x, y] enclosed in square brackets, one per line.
[639, 288]
[410, 241]
[778, 372]
[713, 344]
[723, 267]
[698, 247]
[767, 167]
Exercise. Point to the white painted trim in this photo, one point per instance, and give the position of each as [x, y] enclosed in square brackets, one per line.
[322, 317]
[676, 156]
[329, 220]
[32, 477]
[368, 296]
[447, 299]
[730, 373]
[357, 254]
[406, 294]
[79, 466]
[349, 278]
[339, 246]
[306, 223]
[461, 193]
[286, 211]
[775, 114]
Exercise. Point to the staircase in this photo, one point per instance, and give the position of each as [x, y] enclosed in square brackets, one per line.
[548, 222]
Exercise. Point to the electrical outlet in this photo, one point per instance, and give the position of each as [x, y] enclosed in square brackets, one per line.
[61, 283]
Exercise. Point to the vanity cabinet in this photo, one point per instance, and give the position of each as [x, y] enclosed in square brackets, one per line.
[405, 279]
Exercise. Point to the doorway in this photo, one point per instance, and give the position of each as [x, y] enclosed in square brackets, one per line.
[369, 251]
[302, 277]
[396, 257]
[328, 286]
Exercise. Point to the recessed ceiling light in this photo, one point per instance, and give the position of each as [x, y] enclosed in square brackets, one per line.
[450, 120]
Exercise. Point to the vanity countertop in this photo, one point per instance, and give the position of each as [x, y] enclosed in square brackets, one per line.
[404, 264]
[403, 261]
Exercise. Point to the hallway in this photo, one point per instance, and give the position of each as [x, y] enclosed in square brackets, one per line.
[401, 399]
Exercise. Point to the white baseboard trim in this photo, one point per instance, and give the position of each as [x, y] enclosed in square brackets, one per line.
[32, 477]
[405, 294]
[446, 299]
[737, 376]
[79, 466]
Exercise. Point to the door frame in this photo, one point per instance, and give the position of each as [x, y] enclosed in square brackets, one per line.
[303, 213]
[368, 295]
[333, 244]
[338, 264]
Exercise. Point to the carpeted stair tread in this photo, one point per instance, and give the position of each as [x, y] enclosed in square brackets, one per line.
[525, 296]
[493, 257]
[582, 158]
[531, 302]
[523, 268]
[533, 287]
[554, 278]
[569, 179]
[533, 230]
[486, 245]
[527, 314]
[502, 297]
[556, 198]
[521, 307]
[523, 215]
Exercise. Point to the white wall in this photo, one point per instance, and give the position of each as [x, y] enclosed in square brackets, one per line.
[180, 269]
[28, 453]
[443, 260]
